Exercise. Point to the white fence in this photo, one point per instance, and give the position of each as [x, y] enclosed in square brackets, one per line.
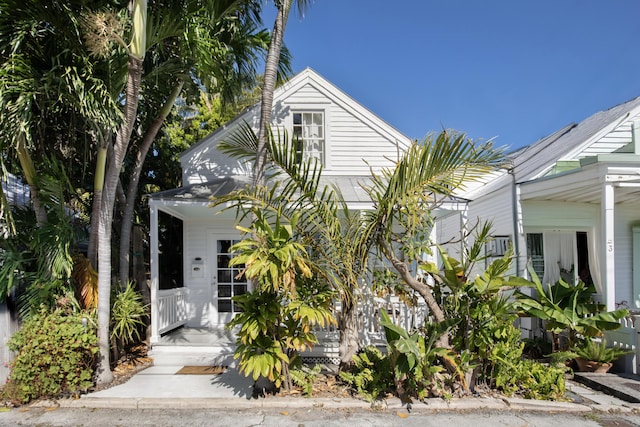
[368, 324]
[627, 337]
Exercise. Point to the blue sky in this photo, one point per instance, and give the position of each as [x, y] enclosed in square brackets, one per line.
[516, 70]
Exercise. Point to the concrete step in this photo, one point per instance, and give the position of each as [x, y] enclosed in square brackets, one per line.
[192, 356]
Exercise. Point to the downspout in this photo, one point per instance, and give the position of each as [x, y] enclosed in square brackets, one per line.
[515, 216]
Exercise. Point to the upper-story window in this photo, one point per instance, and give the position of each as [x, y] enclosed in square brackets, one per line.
[308, 134]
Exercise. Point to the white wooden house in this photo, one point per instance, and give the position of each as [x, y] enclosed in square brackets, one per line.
[570, 204]
[347, 138]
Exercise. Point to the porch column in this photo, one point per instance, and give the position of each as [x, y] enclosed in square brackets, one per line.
[153, 259]
[464, 231]
[608, 265]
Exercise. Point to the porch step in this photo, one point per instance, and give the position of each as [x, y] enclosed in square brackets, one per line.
[192, 355]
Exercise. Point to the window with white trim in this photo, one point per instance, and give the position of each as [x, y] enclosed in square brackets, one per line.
[496, 248]
[309, 135]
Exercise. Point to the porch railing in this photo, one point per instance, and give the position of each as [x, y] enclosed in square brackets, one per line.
[172, 309]
[628, 337]
[370, 332]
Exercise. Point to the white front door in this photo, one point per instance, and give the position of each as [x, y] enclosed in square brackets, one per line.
[226, 281]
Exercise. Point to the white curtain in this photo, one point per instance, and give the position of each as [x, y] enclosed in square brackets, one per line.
[559, 249]
[594, 265]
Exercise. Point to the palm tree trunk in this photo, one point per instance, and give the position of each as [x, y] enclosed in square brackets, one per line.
[30, 174]
[132, 189]
[348, 326]
[434, 308]
[98, 187]
[104, 374]
[123, 136]
[270, 77]
[421, 288]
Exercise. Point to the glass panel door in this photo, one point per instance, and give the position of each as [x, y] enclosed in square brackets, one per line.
[228, 281]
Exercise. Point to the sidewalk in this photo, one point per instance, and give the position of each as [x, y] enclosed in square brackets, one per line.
[159, 387]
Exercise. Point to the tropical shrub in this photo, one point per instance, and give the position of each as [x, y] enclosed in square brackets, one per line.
[413, 360]
[370, 374]
[568, 311]
[485, 347]
[304, 378]
[531, 379]
[55, 355]
[276, 319]
[36, 260]
[128, 313]
[597, 351]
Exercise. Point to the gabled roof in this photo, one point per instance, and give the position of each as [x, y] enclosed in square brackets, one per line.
[332, 92]
[536, 159]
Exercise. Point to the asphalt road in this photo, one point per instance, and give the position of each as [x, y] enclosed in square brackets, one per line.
[76, 417]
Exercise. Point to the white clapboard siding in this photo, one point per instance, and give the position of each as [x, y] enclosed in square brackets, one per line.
[356, 140]
[495, 207]
[620, 136]
[449, 233]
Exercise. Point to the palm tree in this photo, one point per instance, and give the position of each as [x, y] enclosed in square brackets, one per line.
[46, 77]
[215, 44]
[135, 51]
[269, 84]
[405, 197]
[49, 98]
[182, 55]
[342, 241]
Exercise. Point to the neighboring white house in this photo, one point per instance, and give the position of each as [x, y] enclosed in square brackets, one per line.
[570, 204]
[347, 138]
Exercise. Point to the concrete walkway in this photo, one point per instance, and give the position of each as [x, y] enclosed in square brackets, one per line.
[160, 387]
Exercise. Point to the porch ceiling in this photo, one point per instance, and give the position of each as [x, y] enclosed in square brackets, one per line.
[586, 185]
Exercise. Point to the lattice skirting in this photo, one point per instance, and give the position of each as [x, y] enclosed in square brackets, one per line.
[320, 360]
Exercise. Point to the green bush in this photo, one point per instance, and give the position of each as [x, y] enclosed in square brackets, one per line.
[370, 374]
[55, 355]
[127, 319]
[531, 380]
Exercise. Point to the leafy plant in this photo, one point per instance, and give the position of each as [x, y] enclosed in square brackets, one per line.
[597, 351]
[412, 358]
[482, 315]
[531, 380]
[276, 319]
[55, 355]
[304, 378]
[36, 261]
[127, 317]
[568, 310]
[370, 374]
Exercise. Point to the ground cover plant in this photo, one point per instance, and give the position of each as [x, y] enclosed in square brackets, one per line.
[55, 354]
